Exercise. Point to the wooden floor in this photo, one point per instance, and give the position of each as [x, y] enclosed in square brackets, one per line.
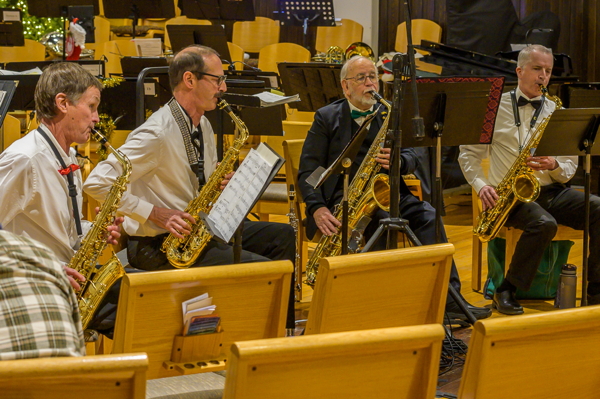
[458, 223]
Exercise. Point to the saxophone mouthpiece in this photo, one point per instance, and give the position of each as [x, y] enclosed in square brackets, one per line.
[98, 136]
[376, 96]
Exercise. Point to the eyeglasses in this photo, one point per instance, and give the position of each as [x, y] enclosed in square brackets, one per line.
[361, 77]
[220, 78]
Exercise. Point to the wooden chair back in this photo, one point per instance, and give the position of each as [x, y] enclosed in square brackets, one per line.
[251, 300]
[182, 20]
[10, 131]
[101, 32]
[237, 56]
[90, 377]
[252, 36]
[392, 288]
[113, 51]
[269, 56]
[422, 29]
[31, 51]
[547, 355]
[343, 35]
[399, 362]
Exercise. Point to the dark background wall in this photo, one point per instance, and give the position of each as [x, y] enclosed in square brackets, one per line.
[580, 34]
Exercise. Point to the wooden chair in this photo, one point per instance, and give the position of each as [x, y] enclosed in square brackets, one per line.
[182, 20]
[90, 377]
[101, 32]
[422, 29]
[543, 355]
[397, 362]
[9, 132]
[511, 235]
[343, 35]
[237, 56]
[252, 36]
[251, 300]
[113, 51]
[392, 288]
[31, 51]
[269, 56]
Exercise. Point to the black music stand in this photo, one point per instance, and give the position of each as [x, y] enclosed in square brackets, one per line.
[59, 9]
[582, 126]
[306, 12]
[318, 84]
[212, 36]
[342, 165]
[7, 90]
[227, 10]
[136, 9]
[11, 31]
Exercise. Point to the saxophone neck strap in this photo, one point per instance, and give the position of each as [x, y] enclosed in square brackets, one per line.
[195, 162]
[70, 180]
[515, 107]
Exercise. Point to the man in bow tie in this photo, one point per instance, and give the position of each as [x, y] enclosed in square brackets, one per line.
[332, 129]
[41, 195]
[555, 204]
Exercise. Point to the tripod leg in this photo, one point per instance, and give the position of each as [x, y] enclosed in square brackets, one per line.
[461, 304]
[373, 239]
[411, 236]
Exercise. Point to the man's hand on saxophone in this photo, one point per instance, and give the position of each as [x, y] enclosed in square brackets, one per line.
[542, 163]
[176, 222]
[488, 197]
[226, 180]
[384, 158]
[74, 277]
[326, 222]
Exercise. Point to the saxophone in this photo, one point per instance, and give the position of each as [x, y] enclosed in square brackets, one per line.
[295, 223]
[519, 184]
[98, 281]
[368, 191]
[183, 252]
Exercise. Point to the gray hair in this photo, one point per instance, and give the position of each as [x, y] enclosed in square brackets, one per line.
[61, 77]
[525, 54]
[189, 59]
[348, 64]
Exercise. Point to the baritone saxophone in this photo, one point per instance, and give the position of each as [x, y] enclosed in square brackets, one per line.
[99, 280]
[183, 252]
[519, 184]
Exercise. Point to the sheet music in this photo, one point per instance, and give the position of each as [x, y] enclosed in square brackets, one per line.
[237, 198]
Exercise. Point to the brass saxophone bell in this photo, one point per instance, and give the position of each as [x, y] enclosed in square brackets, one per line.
[359, 48]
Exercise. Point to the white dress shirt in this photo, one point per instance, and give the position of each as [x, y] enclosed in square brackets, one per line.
[504, 148]
[34, 196]
[161, 174]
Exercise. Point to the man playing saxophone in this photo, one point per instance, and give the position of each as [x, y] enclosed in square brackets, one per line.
[172, 155]
[332, 129]
[556, 203]
[41, 196]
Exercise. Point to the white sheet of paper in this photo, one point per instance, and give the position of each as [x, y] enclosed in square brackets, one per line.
[148, 47]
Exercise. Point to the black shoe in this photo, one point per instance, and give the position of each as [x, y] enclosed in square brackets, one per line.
[505, 302]
[593, 299]
[454, 312]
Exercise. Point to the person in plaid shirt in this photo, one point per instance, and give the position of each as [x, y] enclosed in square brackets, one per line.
[39, 316]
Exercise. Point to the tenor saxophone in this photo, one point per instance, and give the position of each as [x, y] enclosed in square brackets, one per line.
[183, 252]
[98, 281]
[519, 184]
[368, 191]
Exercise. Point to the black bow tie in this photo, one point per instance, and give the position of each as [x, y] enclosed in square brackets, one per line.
[534, 103]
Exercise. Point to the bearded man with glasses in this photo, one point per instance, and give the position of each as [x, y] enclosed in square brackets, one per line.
[332, 129]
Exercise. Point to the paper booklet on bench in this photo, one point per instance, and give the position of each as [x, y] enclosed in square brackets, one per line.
[242, 192]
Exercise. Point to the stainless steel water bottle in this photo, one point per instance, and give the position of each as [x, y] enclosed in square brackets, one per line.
[567, 287]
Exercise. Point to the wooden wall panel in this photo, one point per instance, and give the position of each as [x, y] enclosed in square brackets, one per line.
[580, 34]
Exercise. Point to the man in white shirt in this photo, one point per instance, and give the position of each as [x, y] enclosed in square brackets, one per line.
[168, 170]
[556, 204]
[41, 194]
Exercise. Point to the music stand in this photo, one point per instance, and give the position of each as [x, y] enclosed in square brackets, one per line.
[136, 9]
[7, 90]
[59, 9]
[582, 125]
[212, 36]
[239, 10]
[318, 84]
[11, 29]
[306, 12]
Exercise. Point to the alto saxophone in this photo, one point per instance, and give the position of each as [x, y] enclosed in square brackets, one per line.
[368, 191]
[98, 281]
[519, 184]
[183, 252]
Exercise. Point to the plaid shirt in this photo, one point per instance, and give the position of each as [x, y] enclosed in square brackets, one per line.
[39, 315]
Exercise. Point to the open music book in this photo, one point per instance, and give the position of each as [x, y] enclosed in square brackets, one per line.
[242, 192]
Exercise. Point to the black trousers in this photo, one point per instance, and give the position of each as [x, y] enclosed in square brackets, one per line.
[421, 220]
[539, 221]
[261, 241]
